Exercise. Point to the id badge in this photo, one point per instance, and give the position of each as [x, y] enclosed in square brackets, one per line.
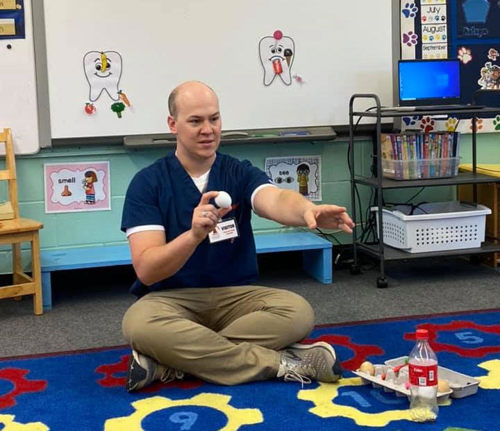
[225, 229]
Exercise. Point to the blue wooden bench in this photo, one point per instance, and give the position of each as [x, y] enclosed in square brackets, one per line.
[316, 257]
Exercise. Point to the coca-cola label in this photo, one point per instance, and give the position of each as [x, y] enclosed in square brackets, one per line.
[423, 375]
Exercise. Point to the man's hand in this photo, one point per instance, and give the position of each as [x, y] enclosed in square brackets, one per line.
[206, 216]
[328, 217]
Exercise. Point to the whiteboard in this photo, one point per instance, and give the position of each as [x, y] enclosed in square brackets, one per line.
[18, 95]
[340, 47]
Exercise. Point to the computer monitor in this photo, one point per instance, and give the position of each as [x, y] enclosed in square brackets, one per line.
[429, 82]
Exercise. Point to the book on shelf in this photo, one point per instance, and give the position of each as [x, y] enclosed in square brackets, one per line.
[417, 146]
[417, 155]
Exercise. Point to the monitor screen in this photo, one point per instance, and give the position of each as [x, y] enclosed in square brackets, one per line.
[429, 82]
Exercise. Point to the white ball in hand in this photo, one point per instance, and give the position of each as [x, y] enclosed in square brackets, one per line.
[223, 200]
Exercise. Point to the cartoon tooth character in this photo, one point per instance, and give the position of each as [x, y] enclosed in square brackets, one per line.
[103, 71]
[276, 55]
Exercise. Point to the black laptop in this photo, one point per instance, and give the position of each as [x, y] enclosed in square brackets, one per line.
[429, 85]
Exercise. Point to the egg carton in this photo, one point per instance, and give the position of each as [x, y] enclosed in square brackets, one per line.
[461, 385]
[390, 386]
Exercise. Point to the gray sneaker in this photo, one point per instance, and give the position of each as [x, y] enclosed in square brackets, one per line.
[306, 362]
[142, 371]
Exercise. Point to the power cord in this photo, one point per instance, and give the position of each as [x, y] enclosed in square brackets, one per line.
[356, 191]
[412, 207]
[331, 236]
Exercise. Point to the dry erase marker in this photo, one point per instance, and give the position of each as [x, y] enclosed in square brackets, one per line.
[265, 135]
[295, 133]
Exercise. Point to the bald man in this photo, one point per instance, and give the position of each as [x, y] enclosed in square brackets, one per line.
[199, 311]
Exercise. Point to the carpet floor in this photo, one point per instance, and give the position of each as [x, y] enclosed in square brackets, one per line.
[84, 390]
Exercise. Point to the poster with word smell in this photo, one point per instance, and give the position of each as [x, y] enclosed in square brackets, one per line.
[76, 187]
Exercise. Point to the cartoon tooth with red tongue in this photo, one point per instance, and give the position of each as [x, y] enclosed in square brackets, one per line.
[276, 55]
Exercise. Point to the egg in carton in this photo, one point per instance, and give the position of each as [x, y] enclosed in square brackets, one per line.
[461, 385]
[393, 378]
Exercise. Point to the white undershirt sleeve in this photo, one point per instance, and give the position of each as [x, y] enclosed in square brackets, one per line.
[257, 189]
[143, 228]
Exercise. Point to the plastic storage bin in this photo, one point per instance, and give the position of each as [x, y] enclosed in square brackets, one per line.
[420, 169]
[434, 226]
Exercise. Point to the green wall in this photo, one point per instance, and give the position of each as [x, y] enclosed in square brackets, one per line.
[95, 228]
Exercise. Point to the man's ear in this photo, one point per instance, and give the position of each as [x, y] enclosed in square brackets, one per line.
[172, 124]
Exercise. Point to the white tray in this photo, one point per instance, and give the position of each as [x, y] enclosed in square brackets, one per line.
[399, 390]
[461, 385]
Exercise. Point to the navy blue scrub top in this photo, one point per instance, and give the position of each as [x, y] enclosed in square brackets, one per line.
[164, 194]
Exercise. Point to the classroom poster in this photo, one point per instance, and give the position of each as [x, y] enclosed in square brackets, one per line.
[434, 29]
[301, 173]
[477, 46]
[12, 25]
[467, 30]
[424, 29]
[76, 187]
[478, 19]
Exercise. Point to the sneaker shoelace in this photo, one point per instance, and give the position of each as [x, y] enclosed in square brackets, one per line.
[293, 376]
[169, 375]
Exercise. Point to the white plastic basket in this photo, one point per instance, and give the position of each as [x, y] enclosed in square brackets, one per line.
[434, 226]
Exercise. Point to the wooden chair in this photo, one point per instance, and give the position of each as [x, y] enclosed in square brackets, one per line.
[14, 231]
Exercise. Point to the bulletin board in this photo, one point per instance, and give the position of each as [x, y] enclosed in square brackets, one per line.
[12, 19]
[465, 29]
[18, 93]
[475, 40]
[285, 63]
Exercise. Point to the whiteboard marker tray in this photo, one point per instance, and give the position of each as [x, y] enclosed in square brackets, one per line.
[461, 385]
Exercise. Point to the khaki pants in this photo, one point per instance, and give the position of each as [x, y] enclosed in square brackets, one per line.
[224, 335]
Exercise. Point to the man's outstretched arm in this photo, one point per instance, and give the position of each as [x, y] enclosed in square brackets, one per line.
[290, 208]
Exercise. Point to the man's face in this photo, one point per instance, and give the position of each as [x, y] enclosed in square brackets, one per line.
[198, 123]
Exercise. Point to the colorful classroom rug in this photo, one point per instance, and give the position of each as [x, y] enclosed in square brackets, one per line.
[84, 391]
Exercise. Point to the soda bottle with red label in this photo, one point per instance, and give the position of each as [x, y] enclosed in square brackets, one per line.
[423, 375]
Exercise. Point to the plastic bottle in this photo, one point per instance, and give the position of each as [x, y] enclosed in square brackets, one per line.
[423, 370]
